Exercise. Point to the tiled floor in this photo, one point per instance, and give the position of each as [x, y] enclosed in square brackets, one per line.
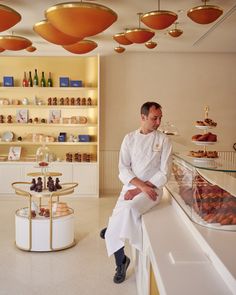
[83, 269]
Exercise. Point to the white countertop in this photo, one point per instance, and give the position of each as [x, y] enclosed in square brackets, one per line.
[180, 265]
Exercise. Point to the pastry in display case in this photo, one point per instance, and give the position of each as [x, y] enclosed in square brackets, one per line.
[205, 192]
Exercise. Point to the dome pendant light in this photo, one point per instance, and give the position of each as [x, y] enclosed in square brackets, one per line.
[119, 49]
[121, 39]
[151, 44]
[12, 42]
[81, 47]
[80, 19]
[47, 31]
[139, 35]
[175, 32]
[8, 17]
[159, 19]
[204, 14]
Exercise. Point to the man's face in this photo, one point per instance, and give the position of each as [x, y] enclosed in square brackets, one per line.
[152, 121]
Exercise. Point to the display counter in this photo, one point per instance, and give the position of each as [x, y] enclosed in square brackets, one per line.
[189, 239]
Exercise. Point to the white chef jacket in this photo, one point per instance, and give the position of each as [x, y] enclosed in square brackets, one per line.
[148, 157]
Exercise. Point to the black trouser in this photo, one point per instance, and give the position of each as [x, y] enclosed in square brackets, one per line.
[120, 256]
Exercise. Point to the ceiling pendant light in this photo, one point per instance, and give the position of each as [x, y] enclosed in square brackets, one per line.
[8, 17]
[81, 47]
[204, 14]
[175, 32]
[119, 49]
[12, 42]
[151, 44]
[159, 19]
[139, 35]
[31, 48]
[47, 31]
[121, 39]
[80, 19]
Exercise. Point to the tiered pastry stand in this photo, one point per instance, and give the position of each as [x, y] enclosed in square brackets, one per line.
[43, 233]
[204, 143]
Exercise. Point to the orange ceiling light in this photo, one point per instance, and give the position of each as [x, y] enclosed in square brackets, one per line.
[81, 47]
[175, 32]
[151, 44]
[31, 49]
[119, 49]
[121, 39]
[80, 19]
[204, 14]
[12, 42]
[8, 17]
[47, 31]
[159, 19]
[139, 35]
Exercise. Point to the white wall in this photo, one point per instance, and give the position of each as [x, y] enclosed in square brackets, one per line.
[182, 83]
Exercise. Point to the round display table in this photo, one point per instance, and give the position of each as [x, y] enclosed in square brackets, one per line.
[37, 232]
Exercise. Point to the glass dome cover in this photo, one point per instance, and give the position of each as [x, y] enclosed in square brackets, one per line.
[43, 155]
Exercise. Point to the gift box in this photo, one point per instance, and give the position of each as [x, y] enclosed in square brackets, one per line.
[64, 81]
[84, 138]
[8, 81]
[76, 83]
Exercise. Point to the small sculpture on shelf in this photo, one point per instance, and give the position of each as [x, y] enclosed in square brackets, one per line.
[83, 102]
[57, 184]
[33, 184]
[9, 119]
[1, 119]
[54, 101]
[89, 101]
[67, 101]
[49, 101]
[72, 101]
[78, 101]
[61, 102]
[39, 185]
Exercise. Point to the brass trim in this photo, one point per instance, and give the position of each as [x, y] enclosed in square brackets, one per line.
[80, 5]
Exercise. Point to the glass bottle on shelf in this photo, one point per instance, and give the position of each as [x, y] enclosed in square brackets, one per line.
[25, 81]
[36, 79]
[43, 81]
[49, 82]
[30, 80]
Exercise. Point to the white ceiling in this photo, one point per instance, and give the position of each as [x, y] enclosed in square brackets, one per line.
[219, 36]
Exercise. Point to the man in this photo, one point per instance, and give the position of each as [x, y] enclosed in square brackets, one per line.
[144, 167]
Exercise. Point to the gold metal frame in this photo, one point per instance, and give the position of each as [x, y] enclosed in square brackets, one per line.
[67, 190]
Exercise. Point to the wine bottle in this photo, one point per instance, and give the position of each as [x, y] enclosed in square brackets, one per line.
[36, 79]
[43, 81]
[30, 80]
[25, 81]
[49, 82]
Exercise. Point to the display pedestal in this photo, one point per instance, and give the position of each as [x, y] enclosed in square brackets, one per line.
[34, 232]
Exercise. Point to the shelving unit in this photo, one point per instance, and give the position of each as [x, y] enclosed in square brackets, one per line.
[31, 134]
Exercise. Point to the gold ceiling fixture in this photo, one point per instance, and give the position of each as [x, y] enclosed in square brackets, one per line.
[121, 39]
[151, 44]
[119, 49]
[80, 19]
[8, 17]
[175, 32]
[47, 31]
[205, 14]
[81, 47]
[31, 48]
[159, 19]
[139, 35]
[12, 42]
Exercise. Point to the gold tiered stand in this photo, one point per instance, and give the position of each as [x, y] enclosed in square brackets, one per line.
[23, 189]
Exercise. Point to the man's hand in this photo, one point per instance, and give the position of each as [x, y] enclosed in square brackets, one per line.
[146, 187]
[130, 194]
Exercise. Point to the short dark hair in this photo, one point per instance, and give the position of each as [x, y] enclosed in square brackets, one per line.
[147, 105]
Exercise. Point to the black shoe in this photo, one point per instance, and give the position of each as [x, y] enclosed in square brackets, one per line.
[102, 233]
[120, 274]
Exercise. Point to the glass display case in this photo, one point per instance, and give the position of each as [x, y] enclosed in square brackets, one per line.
[206, 190]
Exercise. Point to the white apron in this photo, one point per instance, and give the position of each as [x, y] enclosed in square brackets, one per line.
[147, 157]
